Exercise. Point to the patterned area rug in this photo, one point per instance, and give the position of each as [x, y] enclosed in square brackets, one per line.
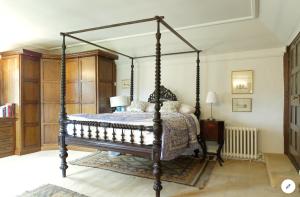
[51, 191]
[185, 170]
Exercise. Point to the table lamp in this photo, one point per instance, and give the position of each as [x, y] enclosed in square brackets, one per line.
[119, 102]
[211, 99]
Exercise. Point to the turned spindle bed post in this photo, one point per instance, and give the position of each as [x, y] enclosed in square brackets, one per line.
[157, 126]
[63, 115]
[131, 80]
[197, 107]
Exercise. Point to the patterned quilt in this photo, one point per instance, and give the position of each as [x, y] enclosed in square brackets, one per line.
[179, 130]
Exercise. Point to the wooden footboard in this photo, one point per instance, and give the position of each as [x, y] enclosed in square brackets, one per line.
[99, 138]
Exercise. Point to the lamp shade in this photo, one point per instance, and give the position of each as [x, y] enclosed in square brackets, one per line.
[119, 101]
[211, 97]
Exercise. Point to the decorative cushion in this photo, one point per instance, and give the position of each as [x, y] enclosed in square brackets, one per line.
[186, 109]
[137, 106]
[150, 107]
[170, 106]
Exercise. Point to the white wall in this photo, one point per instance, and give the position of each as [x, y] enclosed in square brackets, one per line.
[178, 74]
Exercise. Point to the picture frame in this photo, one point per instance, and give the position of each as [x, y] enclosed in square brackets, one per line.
[125, 83]
[242, 82]
[241, 104]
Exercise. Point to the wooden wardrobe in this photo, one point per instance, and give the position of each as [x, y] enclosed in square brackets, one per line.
[20, 84]
[90, 82]
[292, 102]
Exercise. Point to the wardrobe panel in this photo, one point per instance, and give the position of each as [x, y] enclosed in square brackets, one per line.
[31, 113]
[50, 91]
[50, 134]
[31, 136]
[32, 68]
[51, 70]
[88, 93]
[72, 69]
[10, 79]
[73, 108]
[106, 93]
[72, 92]
[31, 92]
[88, 109]
[106, 70]
[88, 68]
[51, 113]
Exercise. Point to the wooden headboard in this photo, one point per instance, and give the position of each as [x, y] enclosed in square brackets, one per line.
[165, 95]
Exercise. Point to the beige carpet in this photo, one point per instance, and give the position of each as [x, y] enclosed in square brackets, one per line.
[27, 172]
[186, 170]
[280, 168]
[51, 191]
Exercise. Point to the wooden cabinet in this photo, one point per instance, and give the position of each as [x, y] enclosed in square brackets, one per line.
[20, 84]
[90, 82]
[7, 136]
[213, 131]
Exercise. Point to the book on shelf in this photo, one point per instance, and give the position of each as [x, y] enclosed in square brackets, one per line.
[8, 110]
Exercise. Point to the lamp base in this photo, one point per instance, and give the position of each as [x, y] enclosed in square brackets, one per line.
[211, 119]
[120, 109]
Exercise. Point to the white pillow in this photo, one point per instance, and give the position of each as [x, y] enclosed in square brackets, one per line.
[186, 109]
[150, 107]
[137, 106]
[170, 106]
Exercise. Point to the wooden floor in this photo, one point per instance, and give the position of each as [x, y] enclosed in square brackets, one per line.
[236, 178]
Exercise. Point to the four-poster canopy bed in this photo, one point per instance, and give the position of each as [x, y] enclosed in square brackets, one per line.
[72, 128]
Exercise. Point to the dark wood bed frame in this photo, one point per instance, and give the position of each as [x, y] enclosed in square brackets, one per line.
[158, 96]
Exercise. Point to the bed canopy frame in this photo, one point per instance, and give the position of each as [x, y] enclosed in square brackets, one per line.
[156, 98]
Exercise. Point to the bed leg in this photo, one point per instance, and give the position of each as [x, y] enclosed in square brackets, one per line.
[196, 152]
[157, 174]
[63, 156]
[157, 182]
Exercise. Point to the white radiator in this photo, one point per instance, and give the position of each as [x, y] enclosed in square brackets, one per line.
[240, 143]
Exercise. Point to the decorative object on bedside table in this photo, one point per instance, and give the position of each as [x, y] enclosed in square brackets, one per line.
[212, 131]
[119, 102]
[242, 82]
[241, 104]
[211, 99]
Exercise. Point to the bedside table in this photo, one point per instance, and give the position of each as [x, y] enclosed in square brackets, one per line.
[212, 131]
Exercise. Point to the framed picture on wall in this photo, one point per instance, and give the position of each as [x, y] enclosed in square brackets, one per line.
[242, 82]
[241, 104]
[125, 83]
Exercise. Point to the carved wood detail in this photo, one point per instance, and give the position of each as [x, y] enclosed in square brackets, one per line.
[165, 95]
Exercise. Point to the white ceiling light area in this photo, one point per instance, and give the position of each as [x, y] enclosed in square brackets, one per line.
[211, 25]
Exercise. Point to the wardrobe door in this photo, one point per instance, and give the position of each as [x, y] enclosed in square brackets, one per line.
[294, 137]
[72, 86]
[88, 85]
[30, 72]
[107, 79]
[292, 102]
[50, 99]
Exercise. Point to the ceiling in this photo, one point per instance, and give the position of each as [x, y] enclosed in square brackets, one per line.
[211, 25]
